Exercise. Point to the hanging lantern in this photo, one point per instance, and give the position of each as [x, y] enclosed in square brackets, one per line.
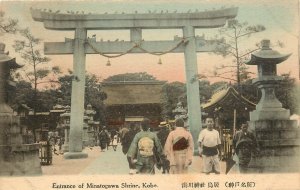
[108, 63]
[159, 61]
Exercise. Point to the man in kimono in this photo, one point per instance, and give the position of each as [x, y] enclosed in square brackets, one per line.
[162, 136]
[179, 148]
[210, 147]
[145, 149]
[103, 137]
[244, 144]
[126, 142]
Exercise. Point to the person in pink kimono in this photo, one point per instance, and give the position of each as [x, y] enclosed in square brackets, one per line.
[179, 148]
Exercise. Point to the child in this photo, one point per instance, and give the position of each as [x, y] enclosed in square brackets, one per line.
[115, 142]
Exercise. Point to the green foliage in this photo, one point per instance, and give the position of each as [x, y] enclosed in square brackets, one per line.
[205, 90]
[94, 94]
[21, 94]
[141, 76]
[172, 94]
[287, 93]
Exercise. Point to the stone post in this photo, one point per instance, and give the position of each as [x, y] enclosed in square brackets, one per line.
[193, 97]
[77, 98]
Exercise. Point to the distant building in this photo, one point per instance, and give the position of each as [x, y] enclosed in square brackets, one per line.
[133, 99]
[228, 108]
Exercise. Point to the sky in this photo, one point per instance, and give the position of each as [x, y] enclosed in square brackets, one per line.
[279, 17]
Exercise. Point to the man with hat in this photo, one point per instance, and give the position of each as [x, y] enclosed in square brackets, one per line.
[179, 148]
[163, 132]
[162, 136]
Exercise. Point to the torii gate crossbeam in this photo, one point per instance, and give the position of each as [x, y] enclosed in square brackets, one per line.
[80, 46]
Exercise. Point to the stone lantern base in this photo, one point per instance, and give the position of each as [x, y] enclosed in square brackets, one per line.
[65, 148]
[270, 114]
[20, 160]
[279, 142]
[16, 159]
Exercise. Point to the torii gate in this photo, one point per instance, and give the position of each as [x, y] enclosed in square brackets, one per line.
[80, 46]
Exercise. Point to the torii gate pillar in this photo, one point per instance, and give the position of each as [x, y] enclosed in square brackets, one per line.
[136, 23]
[77, 98]
[193, 97]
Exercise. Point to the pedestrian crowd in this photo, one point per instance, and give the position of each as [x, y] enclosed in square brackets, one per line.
[171, 149]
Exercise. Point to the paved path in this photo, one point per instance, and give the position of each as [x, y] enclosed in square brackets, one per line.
[108, 162]
[115, 162]
[98, 163]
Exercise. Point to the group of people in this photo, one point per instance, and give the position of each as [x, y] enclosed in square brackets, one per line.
[105, 139]
[55, 141]
[244, 146]
[172, 150]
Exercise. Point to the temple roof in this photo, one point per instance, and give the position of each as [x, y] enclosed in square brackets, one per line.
[136, 92]
[226, 96]
[4, 58]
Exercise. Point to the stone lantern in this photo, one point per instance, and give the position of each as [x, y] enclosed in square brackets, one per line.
[277, 135]
[266, 60]
[85, 137]
[89, 112]
[179, 111]
[65, 123]
[16, 157]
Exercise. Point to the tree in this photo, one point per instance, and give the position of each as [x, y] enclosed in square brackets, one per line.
[172, 94]
[7, 25]
[22, 93]
[141, 76]
[205, 90]
[230, 45]
[94, 94]
[30, 51]
[287, 93]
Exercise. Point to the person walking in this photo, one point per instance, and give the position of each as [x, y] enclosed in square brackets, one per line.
[113, 132]
[144, 149]
[114, 142]
[163, 133]
[162, 136]
[126, 141]
[122, 133]
[210, 147]
[103, 137]
[179, 148]
[244, 145]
